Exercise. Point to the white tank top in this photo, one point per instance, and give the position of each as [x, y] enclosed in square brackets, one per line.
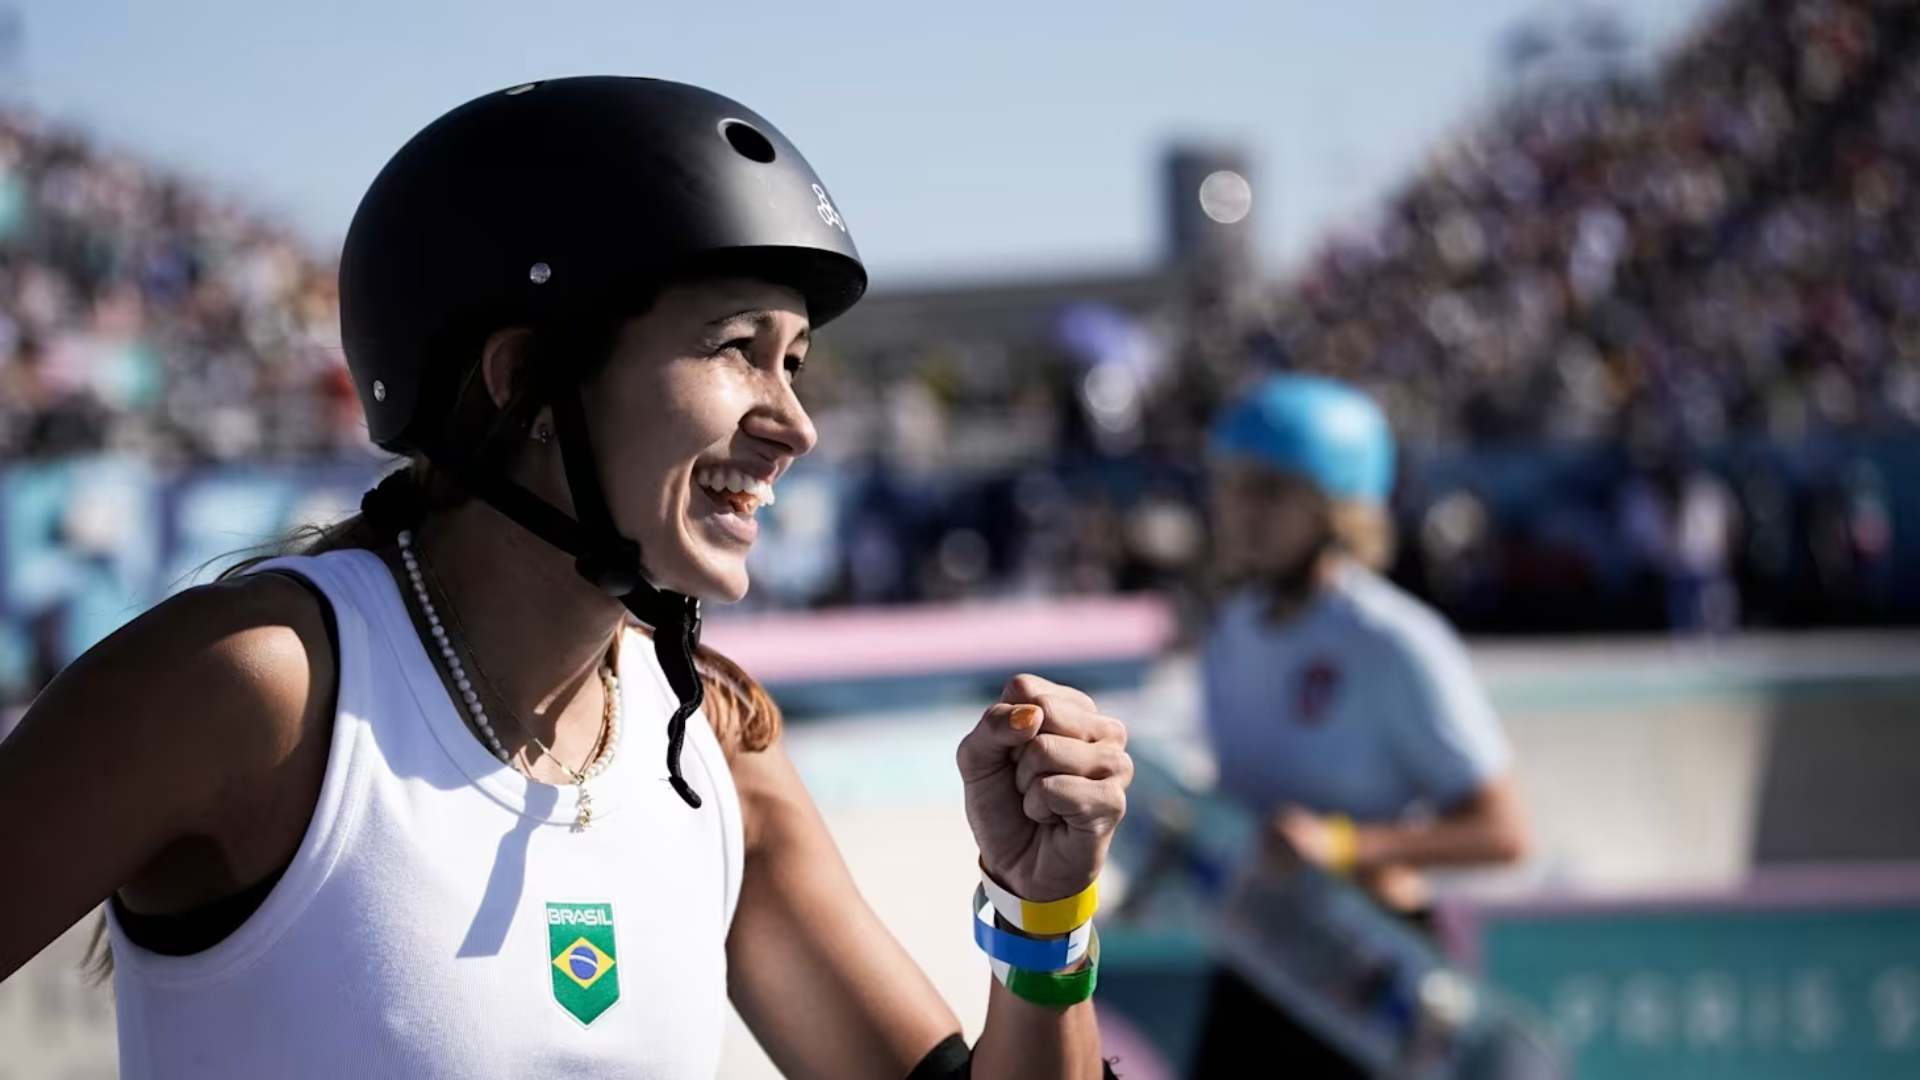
[441, 918]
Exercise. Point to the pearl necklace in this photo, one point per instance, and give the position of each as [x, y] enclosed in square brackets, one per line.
[610, 717]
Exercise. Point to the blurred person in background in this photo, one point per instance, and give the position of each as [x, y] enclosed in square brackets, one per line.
[367, 810]
[1850, 537]
[1341, 710]
[1682, 522]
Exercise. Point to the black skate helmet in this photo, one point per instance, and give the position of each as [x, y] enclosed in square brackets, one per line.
[565, 206]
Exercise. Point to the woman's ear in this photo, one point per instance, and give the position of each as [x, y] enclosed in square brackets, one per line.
[501, 361]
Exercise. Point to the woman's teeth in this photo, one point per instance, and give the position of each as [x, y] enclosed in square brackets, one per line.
[733, 489]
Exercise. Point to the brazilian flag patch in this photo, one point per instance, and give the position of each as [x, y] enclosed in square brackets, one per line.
[580, 940]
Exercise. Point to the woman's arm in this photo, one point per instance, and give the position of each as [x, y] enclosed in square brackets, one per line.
[152, 736]
[1046, 776]
[1023, 1039]
[823, 985]
[1486, 827]
[825, 988]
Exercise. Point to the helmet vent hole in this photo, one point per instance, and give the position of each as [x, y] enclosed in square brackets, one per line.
[521, 89]
[747, 141]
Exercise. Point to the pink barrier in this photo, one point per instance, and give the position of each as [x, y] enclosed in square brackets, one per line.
[929, 639]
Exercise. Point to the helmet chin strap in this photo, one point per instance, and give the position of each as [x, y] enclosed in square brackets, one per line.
[602, 556]
[612, 562]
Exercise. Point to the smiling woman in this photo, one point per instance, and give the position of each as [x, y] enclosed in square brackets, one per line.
[456, 791]
[700, 420]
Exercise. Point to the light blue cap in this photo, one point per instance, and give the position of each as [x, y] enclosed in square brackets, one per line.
[1322, 429]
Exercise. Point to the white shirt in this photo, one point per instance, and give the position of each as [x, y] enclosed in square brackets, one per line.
[416, 932]
[1364, 704]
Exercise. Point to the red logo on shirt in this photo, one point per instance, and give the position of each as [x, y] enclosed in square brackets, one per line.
[1319, 685]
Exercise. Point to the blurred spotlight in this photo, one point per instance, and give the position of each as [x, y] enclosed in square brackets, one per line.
[323, 506]
[1165, 532]
[1110, 393]
[1454, 525]
[1226, 197]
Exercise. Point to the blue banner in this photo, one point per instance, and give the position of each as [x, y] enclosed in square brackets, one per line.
[86, 545]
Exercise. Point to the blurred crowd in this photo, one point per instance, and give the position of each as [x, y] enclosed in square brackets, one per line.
[1714, 273]
[142, 314]
[1724, 247]
[1651, 338]
[1621, 325]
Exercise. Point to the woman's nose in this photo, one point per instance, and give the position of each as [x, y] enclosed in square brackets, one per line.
[784, 420]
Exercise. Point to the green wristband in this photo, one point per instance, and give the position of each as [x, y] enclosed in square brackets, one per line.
[1057, 989]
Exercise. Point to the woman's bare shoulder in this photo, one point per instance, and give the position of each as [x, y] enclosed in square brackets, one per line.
[221, 679]
[179, 724]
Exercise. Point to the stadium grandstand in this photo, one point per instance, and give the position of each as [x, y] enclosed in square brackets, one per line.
[1650, 335]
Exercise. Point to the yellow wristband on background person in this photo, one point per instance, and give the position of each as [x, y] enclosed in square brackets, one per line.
[1043, 918]
[1343, 844]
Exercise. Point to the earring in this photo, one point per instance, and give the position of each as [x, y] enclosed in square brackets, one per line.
[543, 434]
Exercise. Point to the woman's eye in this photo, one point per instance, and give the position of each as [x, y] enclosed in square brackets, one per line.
[743, 346]
[795, 365]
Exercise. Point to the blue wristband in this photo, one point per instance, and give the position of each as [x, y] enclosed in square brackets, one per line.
[1021, 951]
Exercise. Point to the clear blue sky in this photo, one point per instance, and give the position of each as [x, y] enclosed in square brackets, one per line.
[963, 139]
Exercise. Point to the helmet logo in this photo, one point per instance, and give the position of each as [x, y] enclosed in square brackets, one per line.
[827, 213]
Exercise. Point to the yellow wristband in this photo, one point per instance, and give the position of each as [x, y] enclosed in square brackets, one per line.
[1343, 844]
[1046, 919]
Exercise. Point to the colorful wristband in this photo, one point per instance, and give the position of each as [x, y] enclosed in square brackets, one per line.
[1056, 989]
[1048, 918]
[1031, 953]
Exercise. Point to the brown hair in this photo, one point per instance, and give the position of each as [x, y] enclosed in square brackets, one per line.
[1361, 530]
[744, 717]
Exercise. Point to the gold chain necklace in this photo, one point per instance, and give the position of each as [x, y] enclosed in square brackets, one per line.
[420, 572]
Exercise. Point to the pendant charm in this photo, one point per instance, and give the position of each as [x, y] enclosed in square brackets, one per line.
[585, 817]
